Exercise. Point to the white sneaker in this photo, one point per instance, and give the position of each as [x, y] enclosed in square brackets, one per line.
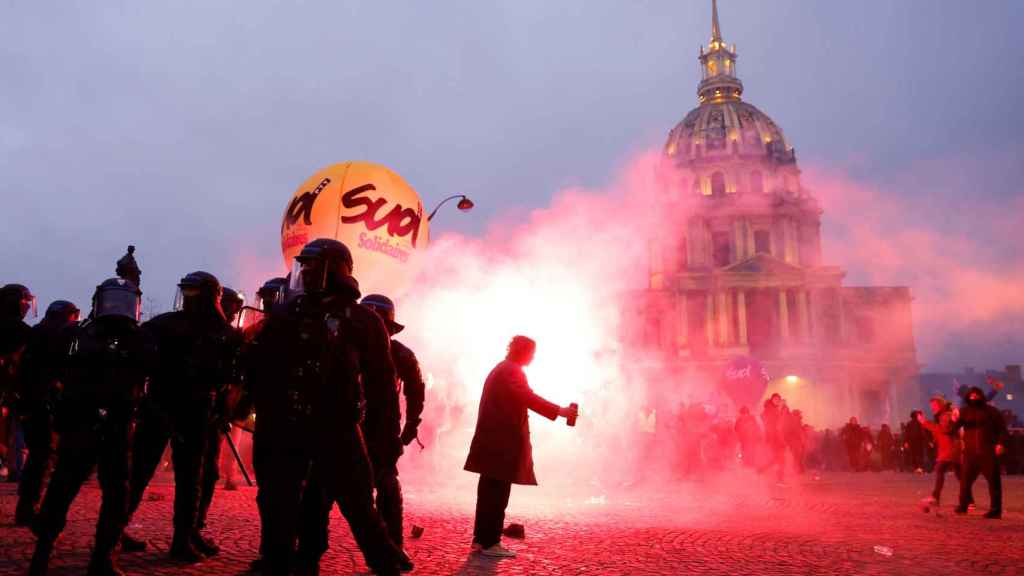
[498, 551]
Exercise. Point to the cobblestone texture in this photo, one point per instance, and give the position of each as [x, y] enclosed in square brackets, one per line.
[829, 525]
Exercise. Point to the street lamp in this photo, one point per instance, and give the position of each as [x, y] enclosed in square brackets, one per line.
[465, 204]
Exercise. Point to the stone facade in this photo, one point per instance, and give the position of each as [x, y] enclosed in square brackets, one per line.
[742, 274]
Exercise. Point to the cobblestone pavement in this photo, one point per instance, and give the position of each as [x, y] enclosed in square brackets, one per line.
[828, 525]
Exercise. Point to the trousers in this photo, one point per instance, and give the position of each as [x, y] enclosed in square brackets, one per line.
[491, 501]
[107, 448]
[187, 429]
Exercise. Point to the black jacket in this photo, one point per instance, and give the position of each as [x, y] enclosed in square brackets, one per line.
[318, 364]
[411, 378]
[105, 367]
[984, 427]
[38, 375]
[196, 356]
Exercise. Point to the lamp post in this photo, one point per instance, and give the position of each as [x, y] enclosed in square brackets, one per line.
[465, 204]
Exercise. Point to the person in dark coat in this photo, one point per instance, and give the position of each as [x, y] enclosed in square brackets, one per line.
[796, 441]
[914, 442]
[852, 436]
[886, 447]
[748, 432]
[501, 452]
[985, 437]
[38, 385]
[774, 415]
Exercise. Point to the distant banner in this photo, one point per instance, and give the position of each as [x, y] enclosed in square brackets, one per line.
[744, 381]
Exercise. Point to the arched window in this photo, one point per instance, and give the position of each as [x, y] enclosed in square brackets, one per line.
[756, 183]
[718, 184]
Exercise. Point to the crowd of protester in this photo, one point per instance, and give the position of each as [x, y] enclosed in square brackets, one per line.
[776, 441]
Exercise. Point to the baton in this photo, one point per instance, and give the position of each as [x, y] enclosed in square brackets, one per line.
[231, 444]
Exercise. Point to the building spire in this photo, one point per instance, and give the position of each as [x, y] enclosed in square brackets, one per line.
[718, 64]
[716, 30]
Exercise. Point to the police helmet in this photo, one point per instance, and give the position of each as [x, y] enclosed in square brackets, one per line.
[62, 310]
[385, 308]
[117, 297]
[17, 300]
[201, 285]
[272, 292]
[321, 265]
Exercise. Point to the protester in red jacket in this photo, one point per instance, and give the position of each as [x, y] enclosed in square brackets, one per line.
[501, 451]
[947, 442]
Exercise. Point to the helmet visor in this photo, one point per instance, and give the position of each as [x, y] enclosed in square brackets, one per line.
[29, 304]
[126, 303]
[308, 275]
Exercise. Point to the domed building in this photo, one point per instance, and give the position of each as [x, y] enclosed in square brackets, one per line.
[743, 281]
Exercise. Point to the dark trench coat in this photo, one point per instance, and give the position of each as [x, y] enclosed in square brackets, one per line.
[501, 445]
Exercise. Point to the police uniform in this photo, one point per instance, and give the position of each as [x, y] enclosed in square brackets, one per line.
[104, 374]
[311, 363]
[195, 353]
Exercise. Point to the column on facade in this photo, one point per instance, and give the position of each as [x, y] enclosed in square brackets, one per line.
[709, 318]
[740, 239]
[789, 241]
[751, 250]
[683, 332]
[842, 315]
[802, 315]
[741, 316]
[723, 317]
[783, 316]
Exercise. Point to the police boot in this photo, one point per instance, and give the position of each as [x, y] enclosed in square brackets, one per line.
[405, 562]
[132, 544]
[24, 513]
[40, 558]
[205, 545]
[183, 550]
[103, 565]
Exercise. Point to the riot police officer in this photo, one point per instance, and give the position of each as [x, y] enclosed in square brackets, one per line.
[271, 295]
[382, 440]
[103, 374]
[38, 382]
[15, 302]
[310, 364]
[195, 351]
[231, 303]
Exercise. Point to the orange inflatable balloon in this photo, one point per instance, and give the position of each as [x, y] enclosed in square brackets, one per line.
[369, 208]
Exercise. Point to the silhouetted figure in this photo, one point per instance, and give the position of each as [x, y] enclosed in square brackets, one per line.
[195, 351]
[886, 446]
[985, 437]
[852, 436]
[309, 367]
[104, 369]
[38, 384]
[914, 441]
[773, 416]
[796, 441]
[748, 432]
[501, 451]
[948, 453]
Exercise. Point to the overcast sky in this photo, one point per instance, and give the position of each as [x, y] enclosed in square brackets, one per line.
[184, 127]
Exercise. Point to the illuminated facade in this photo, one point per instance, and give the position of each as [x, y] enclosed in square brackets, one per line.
[746, 277]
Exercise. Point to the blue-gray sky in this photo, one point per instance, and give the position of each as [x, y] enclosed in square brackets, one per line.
[184, 127]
